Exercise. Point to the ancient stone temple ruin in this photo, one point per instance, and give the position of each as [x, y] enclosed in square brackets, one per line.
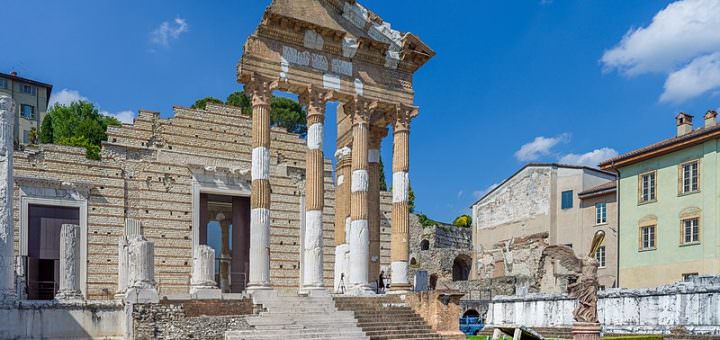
[221, 220]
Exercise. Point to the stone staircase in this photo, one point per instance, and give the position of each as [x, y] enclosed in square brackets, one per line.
[286, 315]
[386, 318]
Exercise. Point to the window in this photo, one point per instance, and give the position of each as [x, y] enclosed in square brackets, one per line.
[31, 90]
[27, 111]
[647, 237]
[3, 83]
[691, 230]
[567, 199]
[647, 187]
[690, 177]
[600, 213]
[600, 256]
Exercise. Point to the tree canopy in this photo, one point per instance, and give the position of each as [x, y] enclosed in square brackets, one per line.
[78, 124]
[463, 221]
[284, 112]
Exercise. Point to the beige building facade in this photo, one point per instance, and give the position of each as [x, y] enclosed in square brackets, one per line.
[545, 199]
[31, 103]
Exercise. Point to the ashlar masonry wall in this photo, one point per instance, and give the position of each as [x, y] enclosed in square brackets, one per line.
[147, 173]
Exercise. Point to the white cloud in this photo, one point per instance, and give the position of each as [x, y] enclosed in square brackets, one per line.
[592, 158]
[168, 32]
[65, 97]
[478, 194]
[679, 36]
[125, 117]
[541, 146]
[698, 77]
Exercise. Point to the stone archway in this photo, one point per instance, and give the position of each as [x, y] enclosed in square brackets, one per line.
[424, 245]
[461, 268]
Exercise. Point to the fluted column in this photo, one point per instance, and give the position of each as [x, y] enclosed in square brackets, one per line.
[202, 285]
[342, 215]
[376, 136]
[69, 263]
[141, 271]
[260, 92]
[399, 250]
[358, 236]
[7, 258]
[314, 100]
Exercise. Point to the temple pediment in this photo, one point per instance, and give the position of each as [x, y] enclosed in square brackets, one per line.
[334, 44]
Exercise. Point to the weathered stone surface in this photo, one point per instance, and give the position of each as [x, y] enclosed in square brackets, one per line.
[69, 263]
[7, 256]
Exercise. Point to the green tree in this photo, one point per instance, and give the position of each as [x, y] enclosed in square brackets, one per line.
[411, 200]
[288, 114]
[78, 124]
[240, 100]
[463, 221]
[383, 184]
[202, 103]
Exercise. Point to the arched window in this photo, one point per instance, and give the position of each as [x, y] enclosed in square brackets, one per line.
[461, 268]
[413, 262]
[424, 245]
[471, 313]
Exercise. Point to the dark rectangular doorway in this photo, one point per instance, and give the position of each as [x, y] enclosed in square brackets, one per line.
[229, 237]
[43, 260]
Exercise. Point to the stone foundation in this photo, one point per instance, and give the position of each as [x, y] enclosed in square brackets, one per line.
[687, 307]
[67, 320]
[441, 310]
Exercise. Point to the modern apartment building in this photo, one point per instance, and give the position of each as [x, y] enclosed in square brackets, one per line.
[569, 203]
[668, 194]
[31, 101]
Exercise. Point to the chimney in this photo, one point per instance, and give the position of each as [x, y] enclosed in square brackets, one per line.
[710, 118]
[13, 73]
[684, 123]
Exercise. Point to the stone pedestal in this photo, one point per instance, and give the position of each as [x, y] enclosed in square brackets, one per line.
[203, 285]
[586, 331]
[7, 256]
[69, 263]
[122, 268]
[141, 274]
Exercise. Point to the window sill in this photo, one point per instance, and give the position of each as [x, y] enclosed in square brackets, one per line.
[646, 249]
[690, 244]
[647, 202]
[681, 194]
[601, 224]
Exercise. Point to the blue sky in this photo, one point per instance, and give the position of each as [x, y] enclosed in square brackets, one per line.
[512, 82]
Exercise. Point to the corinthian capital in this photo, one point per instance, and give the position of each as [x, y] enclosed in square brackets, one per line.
[259, 89]
[315, 98]
[360, 110]
[402, 116]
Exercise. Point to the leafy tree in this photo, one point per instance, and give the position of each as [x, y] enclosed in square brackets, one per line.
[463, 221]
[289, 114]
[383, 184]
[78, 124]
[202, 103]
[411, 200]
[426, 221]
[240, 100]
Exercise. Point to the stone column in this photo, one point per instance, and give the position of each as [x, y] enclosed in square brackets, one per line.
[358, 235]
[376, 136]
[314, 100]
[7, 256]
[203, 285]
[260, 92]
[133, 229]
[399, 249]
[342, 215]
[69, 263]
[141, 272]
[224, 252]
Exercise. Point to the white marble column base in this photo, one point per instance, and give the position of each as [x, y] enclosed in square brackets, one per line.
[205, 293]
[141, 295]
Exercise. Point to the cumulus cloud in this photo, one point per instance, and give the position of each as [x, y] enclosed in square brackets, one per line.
[682, 39]
[66, 97]
[541, 146]
[168, 32]
[592, 158]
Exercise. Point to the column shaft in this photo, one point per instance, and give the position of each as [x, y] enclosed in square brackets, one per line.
[7, 257]
[374, 201]
[260, 92]
[314, 190]
[342, 216]
[225, 255]
[399, 250]
[358, 236]
[69, 263]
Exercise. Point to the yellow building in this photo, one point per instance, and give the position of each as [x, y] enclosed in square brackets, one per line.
[31, 101]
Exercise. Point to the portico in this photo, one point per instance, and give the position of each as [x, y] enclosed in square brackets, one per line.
[338, 51]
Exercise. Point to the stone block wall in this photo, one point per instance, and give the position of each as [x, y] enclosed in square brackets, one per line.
[146, 174]
[208, 319]
[681, 308]
[441, 310]
[52, 320]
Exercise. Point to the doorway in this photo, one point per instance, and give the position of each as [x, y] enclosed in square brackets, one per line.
[43, 257]
[225, 227]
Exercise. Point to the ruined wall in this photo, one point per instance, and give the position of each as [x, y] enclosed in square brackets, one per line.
[208, 319]
[681, 308]
[53, 320]
[147, 174]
